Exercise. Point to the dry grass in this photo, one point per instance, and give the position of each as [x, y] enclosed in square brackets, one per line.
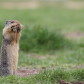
[74, 4]
[36, 4]
[19, 5]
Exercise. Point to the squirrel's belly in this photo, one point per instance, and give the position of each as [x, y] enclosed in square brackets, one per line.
[12, 56]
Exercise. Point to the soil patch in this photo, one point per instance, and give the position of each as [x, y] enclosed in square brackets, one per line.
[78, 82]
[74, 35]
[38, 57]
[65, 82]
[28, 72]
[78, 66]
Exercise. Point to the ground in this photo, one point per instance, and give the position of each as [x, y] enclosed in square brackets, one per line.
[27, 72]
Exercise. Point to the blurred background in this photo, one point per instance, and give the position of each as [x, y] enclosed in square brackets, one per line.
[44, 22]
[53, 30]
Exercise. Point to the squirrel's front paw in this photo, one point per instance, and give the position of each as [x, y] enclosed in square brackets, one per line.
[16, 28]
[13, 28]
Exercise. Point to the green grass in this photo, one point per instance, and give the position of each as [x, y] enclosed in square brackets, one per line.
[46, 77]
[43, 44]
[65, 58]
[41, 39]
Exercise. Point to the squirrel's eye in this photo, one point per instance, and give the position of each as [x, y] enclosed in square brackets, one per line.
[12, 22]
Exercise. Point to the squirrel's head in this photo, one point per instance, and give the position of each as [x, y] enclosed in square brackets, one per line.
[12, 30]
[14, 24]
[10, 22]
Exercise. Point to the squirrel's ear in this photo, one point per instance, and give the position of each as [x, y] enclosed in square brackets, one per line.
[6, 22]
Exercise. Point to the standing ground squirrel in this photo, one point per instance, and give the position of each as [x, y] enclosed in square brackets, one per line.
[9, 48]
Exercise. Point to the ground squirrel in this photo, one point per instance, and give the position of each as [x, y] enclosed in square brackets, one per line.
[9, 48]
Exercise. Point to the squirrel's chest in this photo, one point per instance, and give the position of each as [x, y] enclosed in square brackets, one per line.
[12, 49]
[12, 53]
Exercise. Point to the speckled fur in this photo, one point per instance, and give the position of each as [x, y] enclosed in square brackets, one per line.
[9, 48]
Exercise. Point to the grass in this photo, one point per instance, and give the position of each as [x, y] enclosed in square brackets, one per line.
[43, 44]
[46, 77]
[65, 58]
[41, 39]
